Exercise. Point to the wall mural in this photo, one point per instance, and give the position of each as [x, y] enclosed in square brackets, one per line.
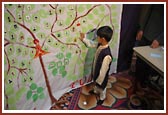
[43, 56]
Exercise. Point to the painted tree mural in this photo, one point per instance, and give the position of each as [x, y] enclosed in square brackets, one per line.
[43, 56]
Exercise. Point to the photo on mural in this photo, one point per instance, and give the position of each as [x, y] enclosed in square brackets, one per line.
[43, 55]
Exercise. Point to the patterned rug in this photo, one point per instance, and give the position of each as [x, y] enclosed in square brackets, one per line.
[120, 95]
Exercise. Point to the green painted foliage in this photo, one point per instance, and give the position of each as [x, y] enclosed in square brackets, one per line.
[35, 92]
[33, 86]
[62, 68]
[29, 94]
[47, 25]
[8, 18]
[41, 35]
[28, 18]
[66, 61]
[43, 13]
[36, 18]
[68, 55]
[20, 92]
[12, 35]
[9, 90]
[21, 37]
[35, 28]
[60, 55]
[52, 65]
[10, 50]
[12, 100]
[90, 16]
[39, 89]
[41, 95]
[35, 97]
[29, 7]
[64, 73]
[18, 50]
[54, 71]
[81, 8]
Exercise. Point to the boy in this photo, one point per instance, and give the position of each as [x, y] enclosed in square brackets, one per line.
[102, 60]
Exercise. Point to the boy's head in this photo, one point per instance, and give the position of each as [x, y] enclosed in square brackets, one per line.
[105, 32]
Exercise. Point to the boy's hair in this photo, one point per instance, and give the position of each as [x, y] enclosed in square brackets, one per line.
[105, 32]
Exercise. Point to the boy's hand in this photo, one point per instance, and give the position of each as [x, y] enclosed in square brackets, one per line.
[82, 35]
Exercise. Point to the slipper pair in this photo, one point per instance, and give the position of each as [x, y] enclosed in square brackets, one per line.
[99, 102]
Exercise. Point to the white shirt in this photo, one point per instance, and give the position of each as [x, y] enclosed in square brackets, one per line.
[106, 61]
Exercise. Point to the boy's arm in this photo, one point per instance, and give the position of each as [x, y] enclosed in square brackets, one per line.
[104, 68]
[87, 42]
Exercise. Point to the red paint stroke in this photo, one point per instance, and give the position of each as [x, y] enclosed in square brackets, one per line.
[78, 24]
[39, 51]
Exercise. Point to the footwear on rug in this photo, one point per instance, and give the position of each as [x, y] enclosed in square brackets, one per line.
[91, 92]
[100, 102]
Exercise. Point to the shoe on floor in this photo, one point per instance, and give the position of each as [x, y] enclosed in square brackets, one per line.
[91, 92]
[100, 102]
